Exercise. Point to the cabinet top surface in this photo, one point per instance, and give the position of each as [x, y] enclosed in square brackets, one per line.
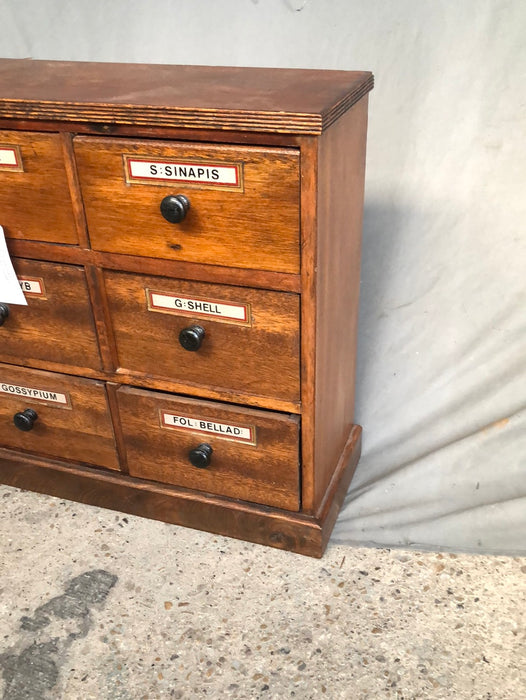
[248, 99]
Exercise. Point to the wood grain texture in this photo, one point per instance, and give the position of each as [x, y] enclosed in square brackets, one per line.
[81, 432]
[139, 379]
[261, 279]
[57, 327]
[340, 209]
[99, 305]
[74, 188]
[248, 99]
[261, 358]
[111, 390]
[267, 472]
[309, 232]
[295, 532]
[169, 133]
[245, 521]
[35, 204]
[256, 227]
[339, 484]
[287, 243]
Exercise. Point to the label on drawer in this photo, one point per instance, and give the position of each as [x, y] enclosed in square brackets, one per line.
[35, 394]
[32, 286]
[198, 307]
[227, 431]
[10, 159]
[213, 175]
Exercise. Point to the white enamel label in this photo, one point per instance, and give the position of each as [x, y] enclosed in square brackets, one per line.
[237, 433]
[37, 394]
[215, 174]
[10, 158]
[34, 287]
[191, 306]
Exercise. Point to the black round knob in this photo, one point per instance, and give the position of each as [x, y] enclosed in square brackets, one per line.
[200, 456]
[25, 420]
[4, 313]
[192, 337]
[175, 207]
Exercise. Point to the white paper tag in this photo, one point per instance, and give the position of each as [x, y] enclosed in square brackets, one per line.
[10, 292]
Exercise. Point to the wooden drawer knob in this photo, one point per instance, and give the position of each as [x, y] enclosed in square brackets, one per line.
[25, 420]
[175, 207]
[191, 338]
[4, 313]
[200, 456]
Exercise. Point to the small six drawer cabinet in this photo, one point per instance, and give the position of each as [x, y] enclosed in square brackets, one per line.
[188, 243]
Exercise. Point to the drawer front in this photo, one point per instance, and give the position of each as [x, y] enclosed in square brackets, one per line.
[35, 202]
[254, 454]
[250, 342]
[72, 416]
[57, 325]
[248, 217]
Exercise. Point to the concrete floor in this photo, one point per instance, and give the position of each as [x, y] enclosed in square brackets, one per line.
[95, 604]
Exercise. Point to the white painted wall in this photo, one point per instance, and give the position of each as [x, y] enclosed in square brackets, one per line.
[442, 378]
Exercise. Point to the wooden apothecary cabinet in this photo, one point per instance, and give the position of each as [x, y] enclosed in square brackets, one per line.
[189, 241]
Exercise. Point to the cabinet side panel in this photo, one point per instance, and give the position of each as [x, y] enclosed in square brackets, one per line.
[309, 169]
[340, 212]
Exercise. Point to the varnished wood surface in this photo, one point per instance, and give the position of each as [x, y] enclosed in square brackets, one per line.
[309, 231]
[56, 327]
[242, 357]
[266, 472]
[255, 227]
[251, 99]
[35, 204]
[81, 431]
[99, 306]
[288, 242]
[77, 204]
[139, 379]
[186, 388]
[169, 133]
[341, 479]
[295, 532]
[340, 207]
[111, 390]
[232, 518]
[261, 279]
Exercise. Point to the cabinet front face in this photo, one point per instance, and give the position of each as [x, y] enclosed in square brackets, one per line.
[35, 201]
[239, 205]
[214, 336]
[218, 449]
[57, 324]
[56, 415]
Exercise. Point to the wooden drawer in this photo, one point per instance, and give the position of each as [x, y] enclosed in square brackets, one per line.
[73, 420]
[248, 217]
[35, 202]
[254, 453]
[250, 343]
[57, 324]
